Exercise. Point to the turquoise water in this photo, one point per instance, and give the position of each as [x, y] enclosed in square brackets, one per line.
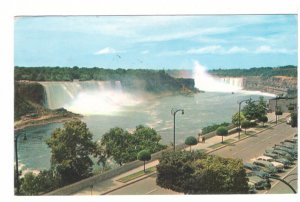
[200, 110]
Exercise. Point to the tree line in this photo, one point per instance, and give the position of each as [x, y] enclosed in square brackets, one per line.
[266, 72]
[155, 81]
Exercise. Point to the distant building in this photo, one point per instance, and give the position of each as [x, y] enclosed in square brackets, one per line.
[283, 103]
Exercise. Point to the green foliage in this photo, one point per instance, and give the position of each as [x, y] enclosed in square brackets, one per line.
[198, 173]
[246, 124]
[71, 148]
[44, 182]
[29, 185]
[266, 72]
[221, 131]
[235, 118]
[29, 97]
[144, 155]
[213, 127]
[174, 169]
[263, 119]
[294, 120]
[155, 81]
[253, 111]
[191, 140]
[123, 146]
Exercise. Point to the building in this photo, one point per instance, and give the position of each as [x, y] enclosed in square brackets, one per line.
[284, 104]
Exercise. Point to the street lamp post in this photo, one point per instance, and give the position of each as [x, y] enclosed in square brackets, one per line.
[16, 155]
[173, 112]
[276, 108]
[240, 114]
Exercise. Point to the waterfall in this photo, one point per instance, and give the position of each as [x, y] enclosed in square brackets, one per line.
[88, 97]
[206, 82]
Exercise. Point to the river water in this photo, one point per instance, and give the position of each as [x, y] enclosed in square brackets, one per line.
[200, 110]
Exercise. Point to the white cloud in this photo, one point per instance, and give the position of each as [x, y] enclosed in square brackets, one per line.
[269, 49]
[186, 34]
[104, 51]
[237, 49]
[205, 50]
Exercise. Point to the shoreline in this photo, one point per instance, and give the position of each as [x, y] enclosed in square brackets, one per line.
[19, 125]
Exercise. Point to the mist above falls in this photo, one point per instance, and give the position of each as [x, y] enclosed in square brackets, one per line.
[89, 97]
[206, 82]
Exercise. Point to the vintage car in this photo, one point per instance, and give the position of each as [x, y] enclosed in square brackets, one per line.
[267, 166]
[279, 166]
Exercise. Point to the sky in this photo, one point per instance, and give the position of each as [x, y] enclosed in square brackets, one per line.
[156, 42]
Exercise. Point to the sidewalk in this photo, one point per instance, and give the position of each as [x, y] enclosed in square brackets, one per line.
[209, 146]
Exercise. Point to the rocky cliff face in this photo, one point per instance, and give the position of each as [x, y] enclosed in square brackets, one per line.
[276, 84]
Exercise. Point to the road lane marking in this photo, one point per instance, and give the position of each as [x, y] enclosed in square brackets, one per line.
[151, 191]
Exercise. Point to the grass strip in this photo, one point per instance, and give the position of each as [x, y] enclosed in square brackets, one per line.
[137, 175]
[226, 142]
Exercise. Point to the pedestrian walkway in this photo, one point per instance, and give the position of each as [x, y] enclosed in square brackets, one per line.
[210, 145]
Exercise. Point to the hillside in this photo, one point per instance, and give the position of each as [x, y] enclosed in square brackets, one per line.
[152, 81]
[29, 106]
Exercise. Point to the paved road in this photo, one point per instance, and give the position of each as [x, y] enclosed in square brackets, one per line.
[246, 150]
[256, 146]
[144, 187]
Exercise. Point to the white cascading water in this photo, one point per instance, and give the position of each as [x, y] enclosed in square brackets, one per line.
[206, 82]
[88, 97]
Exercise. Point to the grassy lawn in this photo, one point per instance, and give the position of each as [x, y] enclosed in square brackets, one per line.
[226, 142]
[249, 133]
[137, 175]
[202, 150]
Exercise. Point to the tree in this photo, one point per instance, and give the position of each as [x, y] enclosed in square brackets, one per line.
[71, 148]
[221, 131]
[120, 145]
[235, 118]
[144, 155]
[264, 119]
[29, 185]
[199, 173]
[294, 120]
[147, 138]
[123, 146]
[261, 107]
[246, 124]
[191, 140]
[254, 111]
[174, 169]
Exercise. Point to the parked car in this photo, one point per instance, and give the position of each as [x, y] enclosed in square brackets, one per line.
[279, 166]
[256, 169]
[293, 153]
[279, 159]
[258, 182]
[251, 166]
[289, 145]
[280, 153]
[268, 167]
[291, 140]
